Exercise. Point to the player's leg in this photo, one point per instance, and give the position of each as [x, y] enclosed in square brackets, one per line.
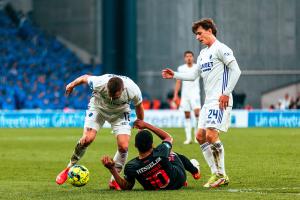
[185, 107]
[196, 113]
[187, 127]
[91, 126]
[191, 166]
[122, 130]
[88, 137]
[206, 150]
[217, 146]
[217, 149]
[196, 106]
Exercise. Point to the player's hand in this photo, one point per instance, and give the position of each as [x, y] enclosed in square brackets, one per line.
[167, 73]
[223, 102]
[108, 162]
[140, 124]
[69, 89]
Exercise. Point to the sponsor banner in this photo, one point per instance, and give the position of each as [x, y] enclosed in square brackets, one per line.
[274, 118]
[239, 118]
[159, 118]
[40, 119]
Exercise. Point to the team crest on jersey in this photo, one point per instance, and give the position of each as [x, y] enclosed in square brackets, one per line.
[90, 114]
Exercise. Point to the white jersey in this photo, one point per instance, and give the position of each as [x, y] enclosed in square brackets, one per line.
[108, 108]
[212, 65]
[189, 89]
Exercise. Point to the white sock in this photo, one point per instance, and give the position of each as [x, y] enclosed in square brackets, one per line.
[218, 153]
[188, 129]
[120, 160]
[209, 158]
[196, 126]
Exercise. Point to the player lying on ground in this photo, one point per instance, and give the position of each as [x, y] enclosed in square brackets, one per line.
[109, 102]
[154, 168]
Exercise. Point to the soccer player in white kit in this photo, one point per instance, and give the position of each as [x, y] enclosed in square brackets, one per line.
[190, 96]
[110, 101]
[220, 72]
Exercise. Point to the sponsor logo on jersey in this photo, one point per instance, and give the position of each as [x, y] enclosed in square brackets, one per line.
[206, 66]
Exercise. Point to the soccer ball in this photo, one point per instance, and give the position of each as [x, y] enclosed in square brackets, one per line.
[78, 175]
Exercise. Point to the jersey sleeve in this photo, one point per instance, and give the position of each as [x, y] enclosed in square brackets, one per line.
[163, 150]
[129, 174]
[226, 54]
[135, 93]
[94, 81]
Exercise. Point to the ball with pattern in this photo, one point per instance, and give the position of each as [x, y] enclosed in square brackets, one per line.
[78, 175]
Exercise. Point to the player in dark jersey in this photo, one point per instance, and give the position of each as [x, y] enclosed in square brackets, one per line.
[154, 168]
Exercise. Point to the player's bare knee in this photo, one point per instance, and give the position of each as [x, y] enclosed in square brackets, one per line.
[201, 136]
[212, 135]
[87, 140]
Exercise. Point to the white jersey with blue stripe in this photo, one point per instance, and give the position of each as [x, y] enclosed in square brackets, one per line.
[109, 108]
[212, 65]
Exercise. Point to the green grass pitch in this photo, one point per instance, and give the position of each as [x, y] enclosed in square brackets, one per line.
[261, 163]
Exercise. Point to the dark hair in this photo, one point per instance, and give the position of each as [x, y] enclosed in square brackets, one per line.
[206, 23]
[143, 141]
[114, 85]
[188, 52]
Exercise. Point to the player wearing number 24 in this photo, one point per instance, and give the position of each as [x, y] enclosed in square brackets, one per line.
[154, 168]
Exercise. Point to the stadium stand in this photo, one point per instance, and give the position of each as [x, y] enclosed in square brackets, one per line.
[35, 67]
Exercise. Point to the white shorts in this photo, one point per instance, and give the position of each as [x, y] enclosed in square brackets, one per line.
[212, 117]
[189, 104]
[94, 120]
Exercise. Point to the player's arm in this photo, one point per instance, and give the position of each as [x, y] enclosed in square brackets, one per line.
[110, 165]
[188, 76]
[233, 77]
[159, 132]
[176, 89]
[139, 110]
[137, 100]
[226, 55]
[78, 81]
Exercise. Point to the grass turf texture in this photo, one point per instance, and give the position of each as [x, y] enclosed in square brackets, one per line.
[261, 164]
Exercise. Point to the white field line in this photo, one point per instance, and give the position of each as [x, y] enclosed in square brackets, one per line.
[262, 190]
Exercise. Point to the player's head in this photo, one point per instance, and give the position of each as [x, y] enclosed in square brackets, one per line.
[143, 141]
[205, 30]
[188, 57]
[115, 87]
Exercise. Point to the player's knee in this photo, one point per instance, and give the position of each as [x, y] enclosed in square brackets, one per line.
[212, 135]
[123, 148]
[200, 137]
[87, 140]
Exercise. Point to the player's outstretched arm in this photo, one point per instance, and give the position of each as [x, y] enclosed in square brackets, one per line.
[159, 132]
[188, 76]
[110, 165]
[78, 81]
